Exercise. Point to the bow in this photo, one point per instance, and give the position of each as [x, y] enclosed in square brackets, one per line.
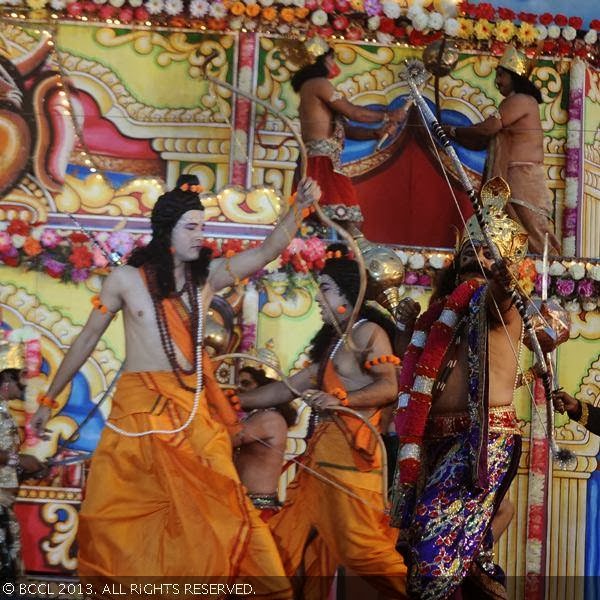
[342, 233]
[413, 74]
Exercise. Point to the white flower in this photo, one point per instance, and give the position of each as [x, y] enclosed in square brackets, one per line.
[553, 31]
[577, 271]
[236, 23]
[449, 8]
[437, 261]
[284, 29]
[36, 232]
[589, 305]
[572, 306]
[135, 3]
[591, 37]
[18, 241]
[154, 7]
[391, 9]
[373, 23]
[217, 10]
[297, 3]
[319, 18]
[173, 7]
[451, 27]
[420, 21]
[285, 2]
[266, 2]
[568, 245]
[556, 268]
[58, 4]
[416, 261]
[414, 10]
[569, 33]
[116, 3]
[403, 256]
[541, 31]
[384, 38]
[539, 266]
[594, 272]
[199, 8]
[436, 21]
[250, 24]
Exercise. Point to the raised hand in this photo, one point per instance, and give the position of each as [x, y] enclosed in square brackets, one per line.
[308, 193]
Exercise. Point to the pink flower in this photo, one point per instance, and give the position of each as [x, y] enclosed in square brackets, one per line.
[121, 242]
[586, 288]
[296, 246]
[565, 287]
[411, 278]
[5, 242]
[98, 257]
[50, 239]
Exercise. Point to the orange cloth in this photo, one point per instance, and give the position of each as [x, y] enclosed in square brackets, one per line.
[172, 505]
[358, 434]
[351, 526]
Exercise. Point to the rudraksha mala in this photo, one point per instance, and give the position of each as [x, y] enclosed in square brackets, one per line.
[163, 328]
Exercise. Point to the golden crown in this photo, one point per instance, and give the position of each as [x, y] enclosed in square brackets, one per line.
[304, 53]
[12, 355]
[515, 61]
[268, 360]
[508, 235]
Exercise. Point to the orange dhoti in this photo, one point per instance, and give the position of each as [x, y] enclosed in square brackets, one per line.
[349, 523]
[172, 505]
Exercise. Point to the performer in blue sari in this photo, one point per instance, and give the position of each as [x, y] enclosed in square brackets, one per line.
[459, 440]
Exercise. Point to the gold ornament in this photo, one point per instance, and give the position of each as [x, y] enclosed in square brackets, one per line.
[268, 360]
[12, 355]
[515, 61]
[508, 236]
[551, 323]
[385, 272]
[440, 57]
[304, 53]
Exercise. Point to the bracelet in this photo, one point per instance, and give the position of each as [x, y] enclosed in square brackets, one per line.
[236, 279]
[585, 413]
[97, 304]
[380, 360]
[341, 395]
[45, 400]
[13, 460]
[309, 210]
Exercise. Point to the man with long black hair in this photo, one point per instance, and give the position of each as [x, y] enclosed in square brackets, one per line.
[163, 497]
[323, 112]
[515, 141]
[334, 510]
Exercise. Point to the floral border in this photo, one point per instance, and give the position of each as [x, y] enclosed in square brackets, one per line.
[473, 24]
[73, 257]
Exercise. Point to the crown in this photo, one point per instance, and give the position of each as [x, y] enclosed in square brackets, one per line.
[12, 355]
[304, 53]
[515, 61]
[508, 236]
[268, 360]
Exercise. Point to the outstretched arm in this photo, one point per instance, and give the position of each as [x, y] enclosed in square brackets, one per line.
[225, 272]
[337, 103]
[278, 393]
[384, 386]
[83, 346]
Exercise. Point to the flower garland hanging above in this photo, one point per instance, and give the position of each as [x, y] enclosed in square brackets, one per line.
[475, 25]
[72, 257]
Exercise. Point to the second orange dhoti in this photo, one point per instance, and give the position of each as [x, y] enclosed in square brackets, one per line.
[340, 521]
[171, 505]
